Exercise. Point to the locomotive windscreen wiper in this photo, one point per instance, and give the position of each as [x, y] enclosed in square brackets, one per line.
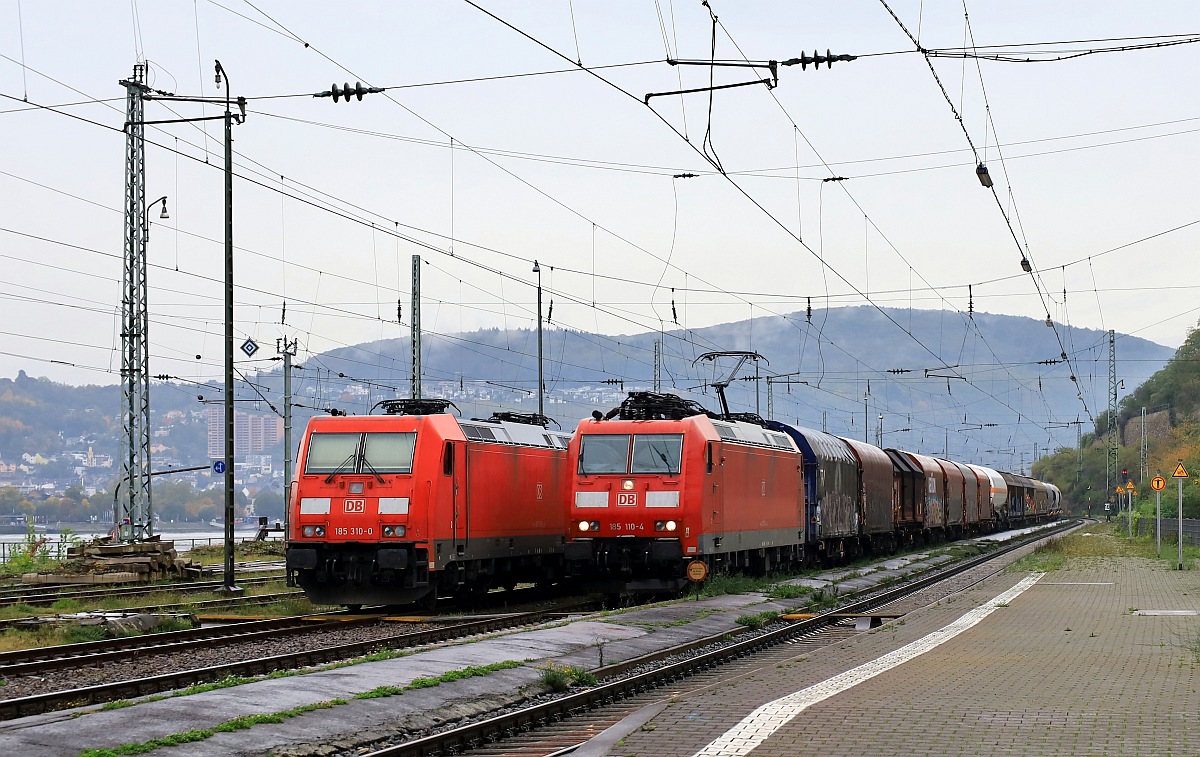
[663, 456]
[371, 468]
[337, 470]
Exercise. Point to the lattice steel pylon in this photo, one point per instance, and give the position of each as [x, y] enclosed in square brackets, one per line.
[132, 508]
[1111, 468]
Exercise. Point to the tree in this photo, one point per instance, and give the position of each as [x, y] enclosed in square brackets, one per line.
[269, 502]
[10, 500]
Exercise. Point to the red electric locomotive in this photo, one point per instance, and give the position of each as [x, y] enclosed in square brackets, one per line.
[659, 483]
[397, 508]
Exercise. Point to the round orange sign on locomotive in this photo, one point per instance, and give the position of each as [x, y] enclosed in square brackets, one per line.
[1158, 483]
[697, 571]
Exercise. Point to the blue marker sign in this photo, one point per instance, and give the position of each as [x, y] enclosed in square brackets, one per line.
[218, 467]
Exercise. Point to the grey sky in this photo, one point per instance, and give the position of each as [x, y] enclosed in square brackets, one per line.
[1099, 151]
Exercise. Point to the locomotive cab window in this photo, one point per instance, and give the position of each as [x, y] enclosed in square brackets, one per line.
[657, 453]
[389, 452]
[331, 453]
[604, 453]
[374, 453]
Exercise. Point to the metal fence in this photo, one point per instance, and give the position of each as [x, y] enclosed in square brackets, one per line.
[1170, 529]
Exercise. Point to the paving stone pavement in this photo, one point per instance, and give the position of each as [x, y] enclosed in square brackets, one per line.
[1080, 663]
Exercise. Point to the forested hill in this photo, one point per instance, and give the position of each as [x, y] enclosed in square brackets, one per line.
[1176, 386]
[1171, 400]
[952, 372]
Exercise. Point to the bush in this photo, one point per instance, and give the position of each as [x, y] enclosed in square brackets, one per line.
[559, 678]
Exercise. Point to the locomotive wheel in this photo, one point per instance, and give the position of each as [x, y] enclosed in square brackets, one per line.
[429, 601]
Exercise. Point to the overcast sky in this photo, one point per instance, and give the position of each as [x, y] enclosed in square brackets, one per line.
[481, 159]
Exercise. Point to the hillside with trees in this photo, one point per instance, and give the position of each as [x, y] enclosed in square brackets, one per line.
[1171, 398]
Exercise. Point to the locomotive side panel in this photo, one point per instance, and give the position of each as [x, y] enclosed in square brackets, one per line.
[520, 490]
[763, 500]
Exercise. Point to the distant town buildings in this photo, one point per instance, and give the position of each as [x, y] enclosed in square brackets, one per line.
[253, 433]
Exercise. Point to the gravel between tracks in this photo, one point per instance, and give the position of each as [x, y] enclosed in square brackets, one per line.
[149, 664]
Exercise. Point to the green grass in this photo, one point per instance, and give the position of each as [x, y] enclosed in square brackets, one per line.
[1102, 540]
[789, 591]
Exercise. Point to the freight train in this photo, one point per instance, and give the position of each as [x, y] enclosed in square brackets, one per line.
[416, 503]
[660, 482]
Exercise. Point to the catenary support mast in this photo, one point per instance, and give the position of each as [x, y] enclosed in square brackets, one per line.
[132, 511]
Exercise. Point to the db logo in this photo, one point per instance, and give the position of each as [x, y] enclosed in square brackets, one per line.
[355, 506]
[626, 499]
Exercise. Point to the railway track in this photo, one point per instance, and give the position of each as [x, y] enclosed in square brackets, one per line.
[562, 724]
[179, 607]
[60, 678]
[29, 661]
[40, 596]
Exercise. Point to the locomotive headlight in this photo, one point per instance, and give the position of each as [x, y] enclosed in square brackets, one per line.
[584, 525]
[671, 526]
[660, 525]
[356, 487]
[387, 530]
[400, 530]
[310, 531]
[627, 484]
[320, 530]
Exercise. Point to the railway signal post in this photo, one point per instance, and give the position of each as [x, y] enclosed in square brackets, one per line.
[1179, 475]
[1158, 483]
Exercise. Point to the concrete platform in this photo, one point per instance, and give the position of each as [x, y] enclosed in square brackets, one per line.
[997, 677]
[1081, 662]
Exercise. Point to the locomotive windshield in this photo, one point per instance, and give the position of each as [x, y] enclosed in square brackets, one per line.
[360, 453]
[609, 453]
[604, 453]
[657, 453]
[329, 452]
[389, 453]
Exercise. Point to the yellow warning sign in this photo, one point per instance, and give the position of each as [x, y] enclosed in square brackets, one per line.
[1120, 489]
[1179, 472]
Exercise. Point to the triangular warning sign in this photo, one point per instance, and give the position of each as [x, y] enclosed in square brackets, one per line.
[1179, 472]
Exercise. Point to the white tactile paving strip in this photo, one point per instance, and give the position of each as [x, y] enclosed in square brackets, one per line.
[759, 725]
